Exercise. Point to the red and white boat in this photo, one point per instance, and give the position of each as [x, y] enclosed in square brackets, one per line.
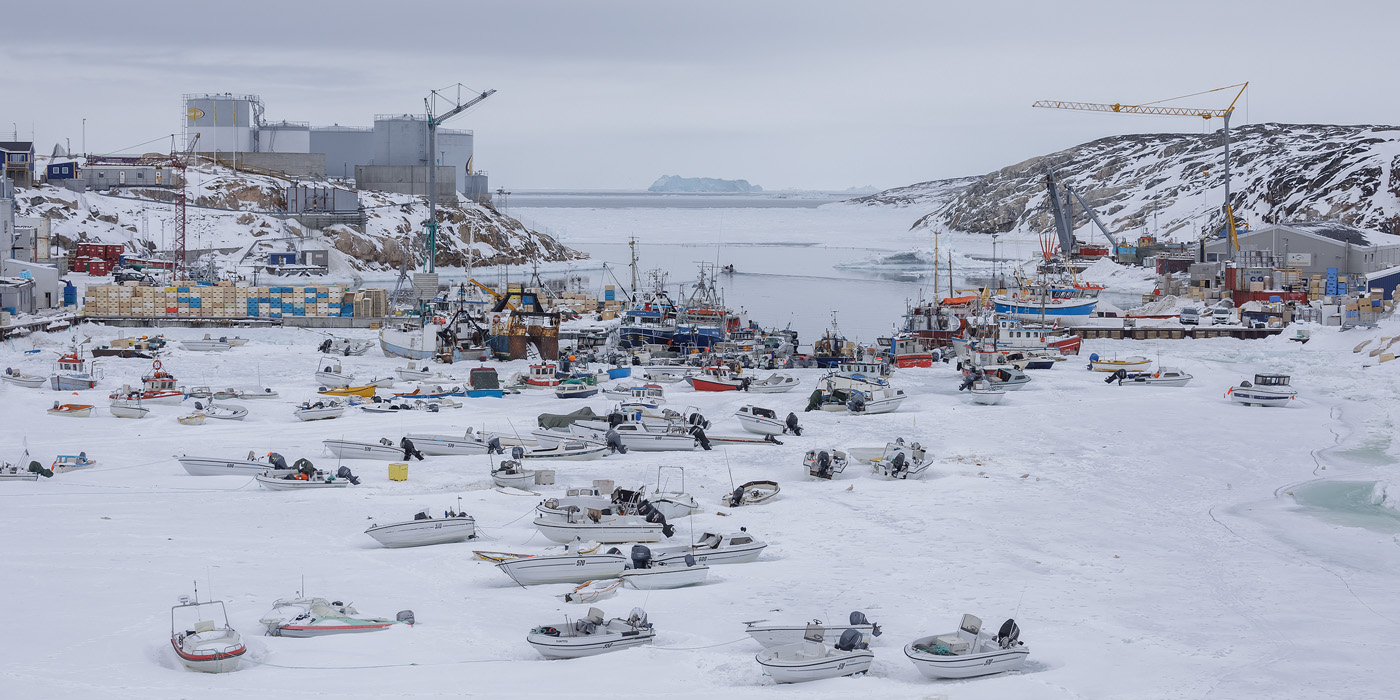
[205, 646]
[318, 617]
[1014, 335]
[157, 387]
[909, 350]
[541, 376]
[716, 379]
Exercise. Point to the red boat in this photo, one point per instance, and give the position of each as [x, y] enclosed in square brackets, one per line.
[157, 387]
[909, 350]
[541, 376]
[716, 379]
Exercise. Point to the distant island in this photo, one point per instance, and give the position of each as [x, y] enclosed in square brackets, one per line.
[676, 183]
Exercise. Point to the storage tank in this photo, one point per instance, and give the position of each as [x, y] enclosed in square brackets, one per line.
[225, 122]
[284, 137]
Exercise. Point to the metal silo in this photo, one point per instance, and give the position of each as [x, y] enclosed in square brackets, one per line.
[225, 122]
[284, 137]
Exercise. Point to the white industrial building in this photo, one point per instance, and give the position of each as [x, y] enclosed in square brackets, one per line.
[1313, 247]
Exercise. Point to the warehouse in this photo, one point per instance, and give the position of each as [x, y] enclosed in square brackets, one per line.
[1312, 248]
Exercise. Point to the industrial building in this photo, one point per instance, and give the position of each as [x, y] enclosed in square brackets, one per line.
[391, 156]
[1312, 248]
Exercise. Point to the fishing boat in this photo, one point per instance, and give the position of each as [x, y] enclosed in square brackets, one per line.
[901, 460]
[1266, 390]
[366, 391]
[775, 383]
[1048, 302]
[717, 379]
[765, 421]
[541, 376]
[384, 449]
[73, 410]
[1130, 363]
[218, 466]
[573, 566]
[304, 617]
[812, 660]
[646, 574]
[320, 410]
[18, 378]
[124, 408]
[825, 464]
[329, 373]
[713, 548]
[299, 480]
[575, 389]
[207, 645]
[73, 373]
[192, 419]
[206, 344]
[485, 383]
[347, 347]
[1164, 376]
[1002, 378]
[591, 635]
[217, 412]
[510, 475]
[1015, 335]
[71, 463]
[158, 387]
[968, 651]
[909, 350]
[771, 634]
[458, 338]
[635, 435]
[751, 493]
[424, 529]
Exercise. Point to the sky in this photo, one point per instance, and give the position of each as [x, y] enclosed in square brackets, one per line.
[612, 95]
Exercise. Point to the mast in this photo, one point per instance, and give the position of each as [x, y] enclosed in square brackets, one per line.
[632, 246]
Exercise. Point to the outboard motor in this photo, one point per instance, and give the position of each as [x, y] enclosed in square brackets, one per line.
[641, 557]
[858, 618]
[699, 434]
[814, 401]
[744, 383]
[616, 418]
[1093, 357]
[41, 470]
[405, 616]
[517, 453]
[344, 473]
[770, 438]
[198, 406]
[325, 346]
[493, 446]
[851, 641]
[824, 465]
[856, 404]
[1009, 635]
[736, 499]
[898, 466]
[792, 426]
[1118, 376]
[614, 442]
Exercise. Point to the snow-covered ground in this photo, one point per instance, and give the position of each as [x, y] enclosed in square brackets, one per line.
[1146, 540]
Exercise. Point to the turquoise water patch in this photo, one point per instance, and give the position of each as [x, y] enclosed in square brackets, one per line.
[1347, 503]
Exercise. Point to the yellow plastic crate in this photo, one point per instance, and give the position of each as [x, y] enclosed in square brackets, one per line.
[398, 471]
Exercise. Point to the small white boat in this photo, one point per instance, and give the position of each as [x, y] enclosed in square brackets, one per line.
[983, 393]
[509, 475]
[297, 481]
[217, 466]
[637, 435]
[424, 529]
[205, 645]
[414, 373]
[128, 408]
[18, 378]
[869, 400]
[591, 635]
[751, 493]
[1005, 378]
[605, 525]
[574, 389]
[206, 344]
[775, 383]
[825, 464]
[345, 347]
[901, 461]
[765, 421]
[320, 410]
[217, 412]
[397, 405]
[19, 472]
[570, 567]
[384, 449]
[812, 660]
[647, 574]
[968, 651]
[192, 419]
[771, 634]
[72, 410]
[1266, 390]
[1130, 363]
[330, 374]
[713, 549]
[567, 449]
[651, 394]
[1164, 376]
[318, 617]
[245, 394]
[468, 444]
[72, 463]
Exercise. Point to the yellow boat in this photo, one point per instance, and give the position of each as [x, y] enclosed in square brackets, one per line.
[365, 391]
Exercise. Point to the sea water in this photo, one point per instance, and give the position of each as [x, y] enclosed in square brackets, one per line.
[1350, 503]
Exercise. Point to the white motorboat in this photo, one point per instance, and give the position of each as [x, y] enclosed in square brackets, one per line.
[19, 472]
[825, 464]
[245, 394]
[217, 466]
[575, 389]
[509, 475]
[384, 449]
[1266, 390]
[983, 393]
[1130, 363]
[637, 435]
[968, 651]
[317, 617]
[215, 411]
[772, 634]
[414, 373]
[395, 405]
[205, 645]
[206, 344]
[1005, 378]
[329, 373]
[319, 410]
[591, 635]
[467, 444]
[571, 567]
[1164, 376]
[867, 399]
[592, 525]
[424, 529]
[652, 394]
[812, 660]
[901, 461]
[70, 410]
[713, 548]
[672, 504]
[347, 347]
[18, 378]
[294, 481]
[751, 493]
[765, 421]
[566, 449]
[128, 408]
[775, 383]
[647, 574]
[72, 463]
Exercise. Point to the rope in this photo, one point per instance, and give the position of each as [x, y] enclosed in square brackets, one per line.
[1203, 92]
[710, 646]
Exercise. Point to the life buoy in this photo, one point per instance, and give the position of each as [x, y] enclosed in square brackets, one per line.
[155, 364]
[496, 319]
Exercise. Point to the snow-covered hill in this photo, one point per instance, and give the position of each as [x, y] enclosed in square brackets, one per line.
[1172, 184]
[237, 217]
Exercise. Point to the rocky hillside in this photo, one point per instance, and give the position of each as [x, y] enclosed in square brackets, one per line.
[1172, 184]
[236, 217]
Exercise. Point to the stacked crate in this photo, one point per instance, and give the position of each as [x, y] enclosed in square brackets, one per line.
[222, 300]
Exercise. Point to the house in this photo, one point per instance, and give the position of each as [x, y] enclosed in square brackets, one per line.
[19, 162]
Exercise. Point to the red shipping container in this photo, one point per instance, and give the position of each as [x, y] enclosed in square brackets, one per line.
[80, 265]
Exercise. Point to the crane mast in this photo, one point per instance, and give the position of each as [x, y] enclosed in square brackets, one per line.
[434, 120]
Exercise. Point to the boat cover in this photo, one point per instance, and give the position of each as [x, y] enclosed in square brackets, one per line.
[563, 420]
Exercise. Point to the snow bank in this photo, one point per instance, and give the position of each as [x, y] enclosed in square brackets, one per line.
[1386, 494]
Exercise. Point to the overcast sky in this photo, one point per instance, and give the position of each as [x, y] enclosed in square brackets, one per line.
[611, 95]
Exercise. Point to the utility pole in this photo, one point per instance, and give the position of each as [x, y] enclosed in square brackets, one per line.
[433, 122]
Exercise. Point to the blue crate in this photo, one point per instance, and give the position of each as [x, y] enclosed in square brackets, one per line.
[182, 289]
[323, 295]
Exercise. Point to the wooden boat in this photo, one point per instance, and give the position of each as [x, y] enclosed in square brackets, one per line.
[205, 646]
[812, 659]
[772, 635]
[365, 391]
[74, 410]
[751, 493]
[1130, 363]
[424, 530]
[318, 617]
[968, 651]
[191, 419]
[72, 463]
[18, 378]
[591, 635]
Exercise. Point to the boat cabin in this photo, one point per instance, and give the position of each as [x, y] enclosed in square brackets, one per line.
[1271, 380]
[159, 379]
[869, 369]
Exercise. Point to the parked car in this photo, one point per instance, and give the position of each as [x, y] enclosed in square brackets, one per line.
[1221, 315]
[1190, 316]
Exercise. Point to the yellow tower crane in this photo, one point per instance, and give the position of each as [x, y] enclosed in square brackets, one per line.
[1158, 109]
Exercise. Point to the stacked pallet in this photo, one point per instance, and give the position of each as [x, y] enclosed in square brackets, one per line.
[220, 300]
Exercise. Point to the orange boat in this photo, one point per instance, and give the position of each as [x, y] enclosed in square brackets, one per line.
[365, 391]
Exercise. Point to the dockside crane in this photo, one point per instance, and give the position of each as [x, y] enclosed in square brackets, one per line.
[435, 120]
[1158, 109]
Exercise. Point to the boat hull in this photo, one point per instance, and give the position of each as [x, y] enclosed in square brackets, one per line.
[567, 568]
[988, 397]
[128, 411]
[704, 384]
[591, 645]
[71, 383]
[665, 577]
[779, 635]
[276, 483]
[418, 533]
[319, 413]
[24, 381]
[1069, 311]
[602, 533]
[736, 554]
[351, 449]
[965, 666]
[222, 661]
[447, 445]
[796, 669]
[1253, 397]
[213, 466]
